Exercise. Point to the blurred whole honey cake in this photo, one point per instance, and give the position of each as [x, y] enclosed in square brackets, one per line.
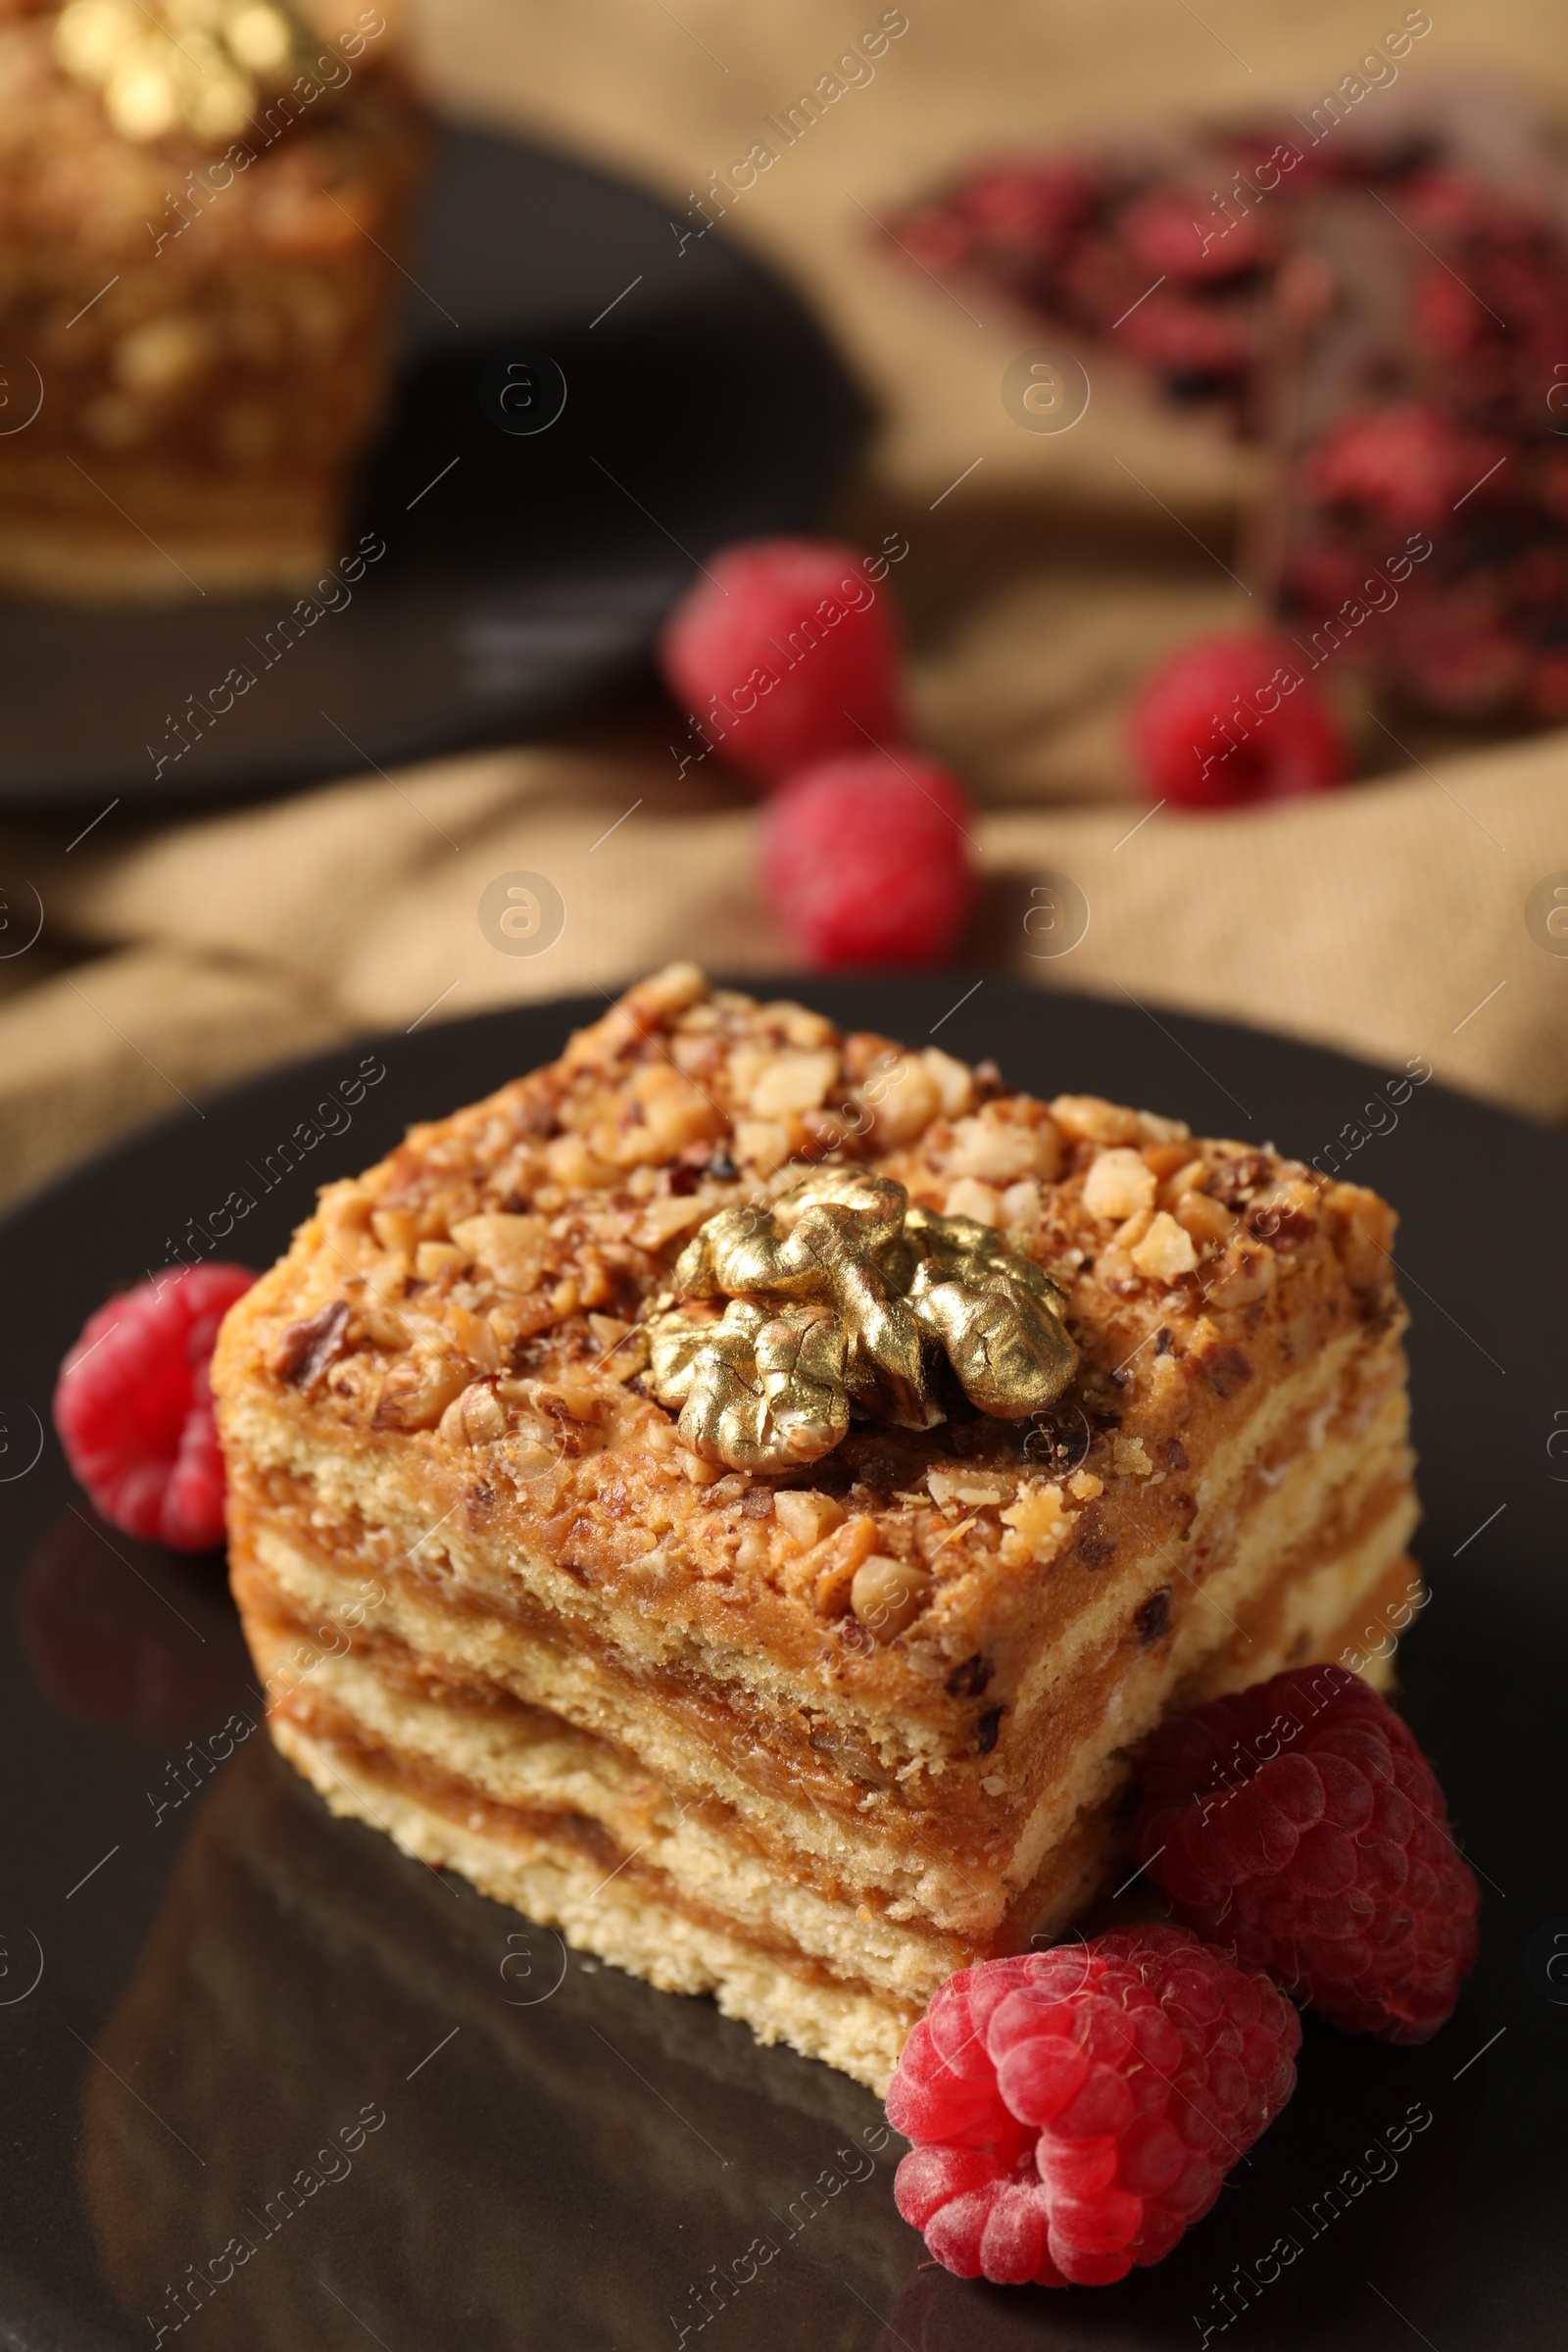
[200, 202]
[797, 1473]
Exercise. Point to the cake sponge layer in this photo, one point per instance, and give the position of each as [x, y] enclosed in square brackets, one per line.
[570, 1831]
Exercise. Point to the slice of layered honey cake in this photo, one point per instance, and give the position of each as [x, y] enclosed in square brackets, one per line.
[743, 1492]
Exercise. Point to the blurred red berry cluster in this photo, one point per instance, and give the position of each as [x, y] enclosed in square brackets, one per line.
[1416, 409]
[1451, 332]
[1168, 245]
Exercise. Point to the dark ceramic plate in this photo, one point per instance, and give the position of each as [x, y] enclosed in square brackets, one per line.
[524, 573]
[278, 2086]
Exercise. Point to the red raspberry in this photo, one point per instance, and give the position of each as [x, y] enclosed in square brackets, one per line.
[1073, 2110]
[866, 861]
[1235, 718]
[786, 653]
[134, 1412]
[969, 2183]
[1299, 1825]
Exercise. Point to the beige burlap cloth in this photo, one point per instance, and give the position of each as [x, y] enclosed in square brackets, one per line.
[1044, 574]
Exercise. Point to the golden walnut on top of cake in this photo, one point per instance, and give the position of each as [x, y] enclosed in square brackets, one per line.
[200, 203]
[808, 1687]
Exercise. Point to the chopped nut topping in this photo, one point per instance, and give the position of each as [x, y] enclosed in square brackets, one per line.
[475, 1418]
[963, 1486]
[1001, 1149]
[380, 1323]
[305, 1350]
[794, 1082]
[417, 1391]
[1248, 1274]
[969, 1197]
[952, 1080]
[807, 1518]
[675, 1113]
[1165, 1250]
[1119, 1183]
[432, 1260]
[1088, 1119]
[761, 1143]
[668, 992]
[1019, 1205]
[659, 1223]
[1181, 1179]
[853, 1543]
[751, 1552]
[801, 1027]
[1207, 1220]
[902, 1096]
[502, 1278]
[576, 1168]
[396, 1229]
[1036, 1525]
[1128, 1234]
[887, 1594]
[514, 1251]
